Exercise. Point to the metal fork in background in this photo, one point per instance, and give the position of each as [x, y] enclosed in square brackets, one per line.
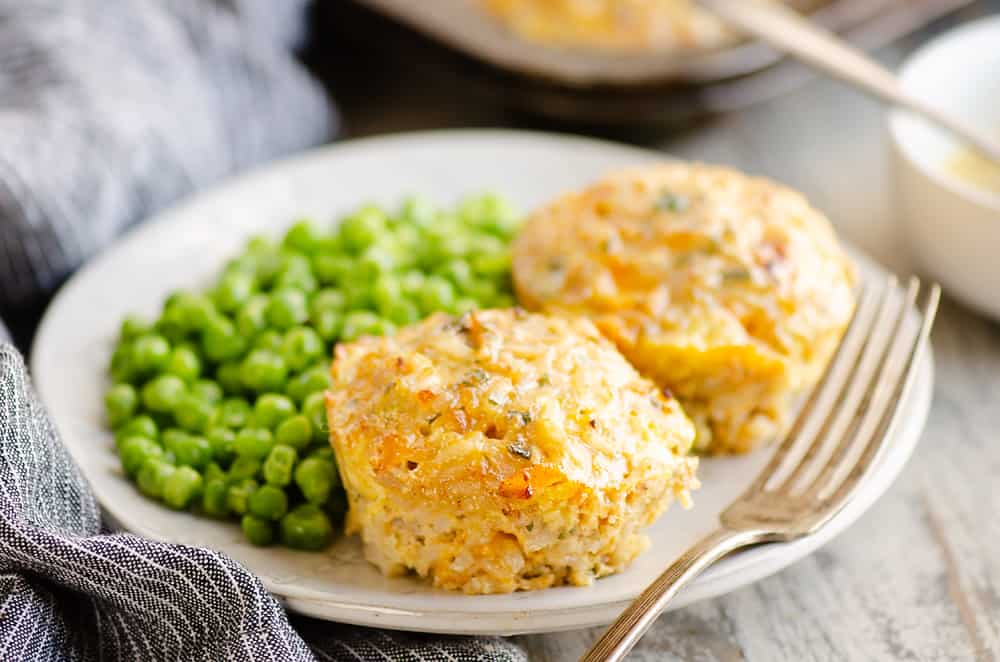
[831, 447]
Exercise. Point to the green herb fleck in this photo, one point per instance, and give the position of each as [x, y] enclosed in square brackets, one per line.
[523, 415]
[737, 275]
[672, 202]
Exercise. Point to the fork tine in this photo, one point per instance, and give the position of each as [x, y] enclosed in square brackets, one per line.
[889, 414]
[869, 386]
[849, 345]
[854, 360]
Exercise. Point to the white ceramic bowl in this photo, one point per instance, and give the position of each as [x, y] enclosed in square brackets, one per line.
[952, 227]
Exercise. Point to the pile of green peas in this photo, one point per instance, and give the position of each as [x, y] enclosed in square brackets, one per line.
[218, 405]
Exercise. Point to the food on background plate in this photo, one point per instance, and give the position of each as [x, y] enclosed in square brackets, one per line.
[729, 290]
[502, 450]
[218, 406]
[614, 25]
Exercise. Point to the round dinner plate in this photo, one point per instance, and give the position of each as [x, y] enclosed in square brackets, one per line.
[186, 246]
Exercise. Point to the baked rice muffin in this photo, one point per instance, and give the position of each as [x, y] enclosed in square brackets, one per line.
[729, 290]
[503, 451]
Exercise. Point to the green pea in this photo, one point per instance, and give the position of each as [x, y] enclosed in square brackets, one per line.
[327, 299]
[270, 264]
[257, 530]
[239, 494]
[213, 498]
[270, 340]
[483, 244]
[120, 402]
[287, 308]
[271, 409]
[181, 487]
[234, 290]
[412, 282]
[296, 432]
[379, 259]
[363, 323]
[325, 453]
[184, 363]
[301, 347]
[279, 464]
[436, 294]
[402, 312]
[242, 264]
[207, 391]
[252, 318]
[263, 370]
[219, 340]
[229, 375]
[328, 324]
[418, 209]
[301, 280]
[121, 367]
[361, 229]
[268, 502]
[149, 353]
[152, 477]
[357, 294]
[482, 291]
[213, 471]
[162, 394]
[171, 325]
[190, 450]
[194, 414]
[193, 310]
[492, 265]
[132, 327]
[307, 382]
[260, 244]
[253, 442]
[222, 442]
[314, 408]
[333, 269]
[316, 478]
[458, 272]
[306, 527]
[140, 426]
[134, 451]
[243, 467]
[386, 291]
[490, 213]
[234, 412]
[302, 236]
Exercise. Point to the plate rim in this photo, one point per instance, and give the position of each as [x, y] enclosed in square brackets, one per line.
[478, 622]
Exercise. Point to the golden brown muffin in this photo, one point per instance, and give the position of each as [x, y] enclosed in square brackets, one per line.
[503, 451]
[729, 290]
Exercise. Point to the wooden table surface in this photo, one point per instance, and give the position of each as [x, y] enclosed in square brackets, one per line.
[918, 577]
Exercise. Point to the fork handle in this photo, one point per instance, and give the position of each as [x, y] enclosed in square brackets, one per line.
[623, 634]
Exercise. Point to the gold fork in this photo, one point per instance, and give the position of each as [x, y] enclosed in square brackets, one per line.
[833, 444]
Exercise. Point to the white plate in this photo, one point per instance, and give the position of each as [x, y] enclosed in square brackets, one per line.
[187, 245]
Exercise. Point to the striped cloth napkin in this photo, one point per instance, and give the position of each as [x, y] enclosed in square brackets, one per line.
[109, 110]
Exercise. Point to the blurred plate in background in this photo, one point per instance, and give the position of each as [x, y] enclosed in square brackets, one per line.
[466, 26]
